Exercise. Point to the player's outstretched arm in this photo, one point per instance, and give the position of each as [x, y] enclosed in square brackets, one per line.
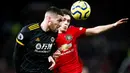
[102, 28]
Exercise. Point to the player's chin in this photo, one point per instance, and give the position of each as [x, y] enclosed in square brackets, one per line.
[65, 30]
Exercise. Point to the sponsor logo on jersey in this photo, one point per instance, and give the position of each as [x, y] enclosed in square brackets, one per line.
[65, 47]
[43, 48]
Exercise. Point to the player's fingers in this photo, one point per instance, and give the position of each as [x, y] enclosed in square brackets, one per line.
[51, 67]
[57, 53]
[124, 19]
[50, 58]
[55, 56]
[53, 63]
[122, 22]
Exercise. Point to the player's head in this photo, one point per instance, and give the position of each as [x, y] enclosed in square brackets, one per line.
[53, 17]
[66, 20]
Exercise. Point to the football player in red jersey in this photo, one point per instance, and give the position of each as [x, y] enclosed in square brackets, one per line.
[69, 61]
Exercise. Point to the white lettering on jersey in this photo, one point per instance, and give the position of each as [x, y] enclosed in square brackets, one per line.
[67, 52]
[65, 47]
[43, 48]
[38, 46]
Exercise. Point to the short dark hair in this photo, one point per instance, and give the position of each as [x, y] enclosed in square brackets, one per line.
[54, 9]
[66, 11]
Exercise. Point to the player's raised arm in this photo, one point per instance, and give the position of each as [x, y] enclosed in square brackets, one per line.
[102, 28]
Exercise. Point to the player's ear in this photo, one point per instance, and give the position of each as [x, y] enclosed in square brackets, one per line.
[49, 20]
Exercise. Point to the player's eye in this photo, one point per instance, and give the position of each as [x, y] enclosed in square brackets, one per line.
[59, 20]
[64, 19]
[68, 20]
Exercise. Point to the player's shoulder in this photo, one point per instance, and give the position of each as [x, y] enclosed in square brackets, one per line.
[33, 26]
[30, 27]
[73, 27]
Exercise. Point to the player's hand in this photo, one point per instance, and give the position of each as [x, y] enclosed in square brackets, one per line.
[52, 61]
[121, 21]
[56, 54]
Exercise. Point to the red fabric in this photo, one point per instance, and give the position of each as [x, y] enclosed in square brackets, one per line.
[69, 61]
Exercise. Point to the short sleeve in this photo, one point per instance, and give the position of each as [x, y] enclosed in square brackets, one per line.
[22, 37]
[78, 30]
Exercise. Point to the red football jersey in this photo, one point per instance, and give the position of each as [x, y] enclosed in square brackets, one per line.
[69, 61]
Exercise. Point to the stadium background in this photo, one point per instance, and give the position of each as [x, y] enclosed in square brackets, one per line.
[101, 53]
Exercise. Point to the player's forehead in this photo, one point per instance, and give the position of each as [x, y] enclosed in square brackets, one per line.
[59, 17]
[66, 17]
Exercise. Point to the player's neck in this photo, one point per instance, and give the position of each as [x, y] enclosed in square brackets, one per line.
[44, 26]
[60, 31]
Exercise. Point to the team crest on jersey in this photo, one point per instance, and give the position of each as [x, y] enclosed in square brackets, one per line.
[20, 36]
[68, 37]
[52, 39]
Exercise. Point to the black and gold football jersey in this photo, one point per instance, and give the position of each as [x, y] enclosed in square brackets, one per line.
[32, 49]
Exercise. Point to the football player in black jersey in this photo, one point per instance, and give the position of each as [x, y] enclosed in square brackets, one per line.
[35, 44]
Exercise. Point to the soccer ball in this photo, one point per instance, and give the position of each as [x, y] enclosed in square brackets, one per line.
[80, 10]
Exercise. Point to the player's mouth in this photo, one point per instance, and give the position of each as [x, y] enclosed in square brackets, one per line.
[65, 28]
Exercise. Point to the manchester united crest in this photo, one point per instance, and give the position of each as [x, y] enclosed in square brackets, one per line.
[68, 37]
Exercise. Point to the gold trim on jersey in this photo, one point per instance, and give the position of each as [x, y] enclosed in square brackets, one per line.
[34, 26]
[19, 42]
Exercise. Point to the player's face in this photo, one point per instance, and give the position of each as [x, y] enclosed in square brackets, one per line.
[55, 23]
[65, 23]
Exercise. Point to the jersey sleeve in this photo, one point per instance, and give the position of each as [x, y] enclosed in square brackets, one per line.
[19, 48]
[79, 30]
[22, 37]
